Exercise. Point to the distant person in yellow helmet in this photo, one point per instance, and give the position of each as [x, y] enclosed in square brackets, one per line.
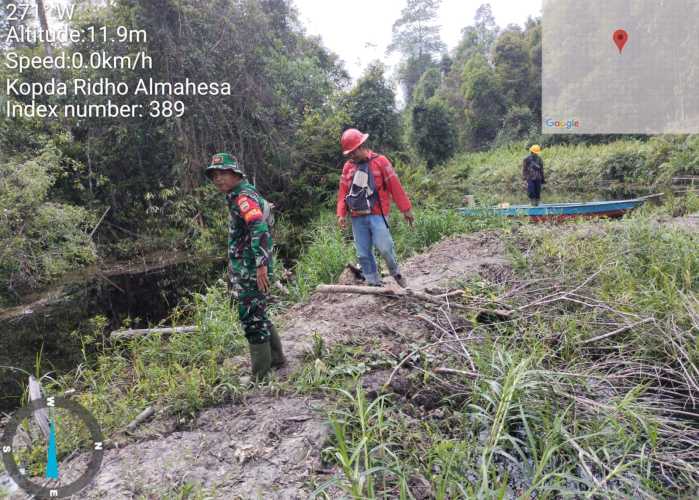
[533, 174]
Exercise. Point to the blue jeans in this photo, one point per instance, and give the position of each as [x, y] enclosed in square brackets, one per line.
[369, 231]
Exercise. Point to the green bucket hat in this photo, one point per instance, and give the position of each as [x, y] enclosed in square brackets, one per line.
[224, 161]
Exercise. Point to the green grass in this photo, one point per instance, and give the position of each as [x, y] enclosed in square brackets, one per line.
[621, 167]
[644, 266]
[185, 491]
[326, 255]
[552, 414]
[361, 448]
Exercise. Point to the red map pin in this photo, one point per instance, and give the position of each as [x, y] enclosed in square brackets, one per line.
[620, 38]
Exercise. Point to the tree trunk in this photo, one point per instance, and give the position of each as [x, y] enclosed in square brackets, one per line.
[44, 25]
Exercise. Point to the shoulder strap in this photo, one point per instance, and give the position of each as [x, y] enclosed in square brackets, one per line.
[368, 164]
[385, 186]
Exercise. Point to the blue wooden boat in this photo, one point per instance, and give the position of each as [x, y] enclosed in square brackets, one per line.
[561, 211]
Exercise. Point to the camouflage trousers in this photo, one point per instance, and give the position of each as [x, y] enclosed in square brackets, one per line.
[252, 304]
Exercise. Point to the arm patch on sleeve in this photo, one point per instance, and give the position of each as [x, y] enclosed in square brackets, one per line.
[249, 209]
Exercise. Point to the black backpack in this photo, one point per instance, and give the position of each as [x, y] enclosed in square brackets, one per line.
[363, 193]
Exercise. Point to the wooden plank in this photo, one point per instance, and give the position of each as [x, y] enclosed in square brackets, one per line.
[130, 333]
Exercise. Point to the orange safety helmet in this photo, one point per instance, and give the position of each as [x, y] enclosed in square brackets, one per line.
[351, 140]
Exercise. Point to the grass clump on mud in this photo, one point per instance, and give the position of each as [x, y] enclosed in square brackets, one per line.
[588, 390]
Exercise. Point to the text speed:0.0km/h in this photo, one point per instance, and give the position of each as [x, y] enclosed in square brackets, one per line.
[102, 60]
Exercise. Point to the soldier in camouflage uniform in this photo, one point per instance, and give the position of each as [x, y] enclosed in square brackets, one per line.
[250, 260]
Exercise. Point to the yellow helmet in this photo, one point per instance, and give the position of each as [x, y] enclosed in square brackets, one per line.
[536, 149]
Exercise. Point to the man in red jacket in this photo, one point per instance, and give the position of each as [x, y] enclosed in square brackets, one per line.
[369, 179]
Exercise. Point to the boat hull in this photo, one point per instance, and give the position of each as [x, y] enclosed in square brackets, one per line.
[560, 211]
[615, 214]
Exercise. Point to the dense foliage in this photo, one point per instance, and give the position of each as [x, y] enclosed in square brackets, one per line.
[148, 171]
[291, 99]
[41, 239]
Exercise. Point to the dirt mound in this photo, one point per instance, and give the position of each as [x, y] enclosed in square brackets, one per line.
[269, 447]
[347, 318]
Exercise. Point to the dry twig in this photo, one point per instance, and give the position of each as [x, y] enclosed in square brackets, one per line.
[617, 331]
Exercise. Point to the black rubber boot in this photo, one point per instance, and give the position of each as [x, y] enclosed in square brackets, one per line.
[261, 358]
[275, 343]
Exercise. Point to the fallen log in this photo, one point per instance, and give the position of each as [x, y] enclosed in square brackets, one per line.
[36, 393]
[407, 292]
[140, 418]
[130, 333]
[376, 290]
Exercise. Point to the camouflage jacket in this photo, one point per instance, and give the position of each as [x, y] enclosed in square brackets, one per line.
[249, 235]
